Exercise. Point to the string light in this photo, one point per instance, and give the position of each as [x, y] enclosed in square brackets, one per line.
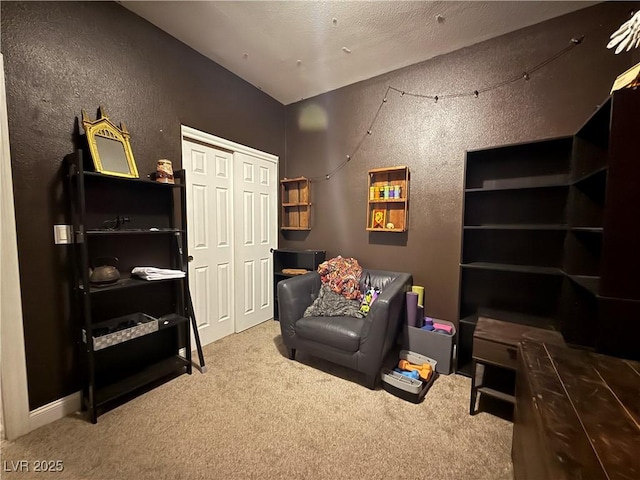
[475, 93]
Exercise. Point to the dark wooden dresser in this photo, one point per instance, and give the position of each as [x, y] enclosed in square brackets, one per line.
[577, 415]
[495, 346]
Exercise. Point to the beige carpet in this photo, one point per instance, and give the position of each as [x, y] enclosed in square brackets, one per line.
[256, 414]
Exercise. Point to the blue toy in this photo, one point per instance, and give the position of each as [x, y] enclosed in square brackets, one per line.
[410, 374]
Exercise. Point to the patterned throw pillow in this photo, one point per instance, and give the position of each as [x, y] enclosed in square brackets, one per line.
[342, 275]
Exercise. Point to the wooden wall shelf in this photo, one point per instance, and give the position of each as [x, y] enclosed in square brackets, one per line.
[296, 203]
[388, 202]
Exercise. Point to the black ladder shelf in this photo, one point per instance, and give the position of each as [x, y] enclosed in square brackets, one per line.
[133, 334]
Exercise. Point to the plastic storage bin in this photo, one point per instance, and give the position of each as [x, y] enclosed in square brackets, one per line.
[404, 387]
[439, 346]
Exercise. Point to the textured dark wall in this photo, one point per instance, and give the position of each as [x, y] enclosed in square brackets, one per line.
[61, 57]
[431, 139]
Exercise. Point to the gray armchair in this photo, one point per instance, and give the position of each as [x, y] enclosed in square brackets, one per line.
[358, 343]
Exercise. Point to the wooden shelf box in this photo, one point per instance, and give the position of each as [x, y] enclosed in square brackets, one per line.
[388, 199]
[296, 203]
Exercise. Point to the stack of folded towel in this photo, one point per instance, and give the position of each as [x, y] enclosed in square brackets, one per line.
[153, 273]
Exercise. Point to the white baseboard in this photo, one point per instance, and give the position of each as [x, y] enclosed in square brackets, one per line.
[55, 410]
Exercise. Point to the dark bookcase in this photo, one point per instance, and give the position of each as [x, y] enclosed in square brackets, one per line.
[550, 234]
[133, 334]
[286, 258]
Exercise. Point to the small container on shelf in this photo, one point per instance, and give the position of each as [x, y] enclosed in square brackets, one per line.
[121, 329]
[164, 171]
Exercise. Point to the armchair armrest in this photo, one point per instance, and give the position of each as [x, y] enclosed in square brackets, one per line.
[391, 299]
[295, 294]
[385, 318]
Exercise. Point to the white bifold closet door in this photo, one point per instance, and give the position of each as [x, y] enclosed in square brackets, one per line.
[231, 227]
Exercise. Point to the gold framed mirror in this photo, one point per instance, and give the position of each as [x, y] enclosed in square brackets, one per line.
[109, 146]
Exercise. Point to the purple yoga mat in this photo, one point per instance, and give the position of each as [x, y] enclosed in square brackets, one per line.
[412, 308]
[419, 315]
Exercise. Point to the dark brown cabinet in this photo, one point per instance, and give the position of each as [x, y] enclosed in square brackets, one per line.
[133, 333]
[495, 357]
[284, 259]
[550, 234]
[576, 414]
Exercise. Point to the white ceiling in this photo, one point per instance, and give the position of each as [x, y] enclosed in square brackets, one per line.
[298, 49]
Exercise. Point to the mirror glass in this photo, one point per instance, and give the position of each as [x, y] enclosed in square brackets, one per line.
[112, 155]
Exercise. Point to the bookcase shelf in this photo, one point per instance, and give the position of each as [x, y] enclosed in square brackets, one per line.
[549, 234]
[132, 331]
[284, 259]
